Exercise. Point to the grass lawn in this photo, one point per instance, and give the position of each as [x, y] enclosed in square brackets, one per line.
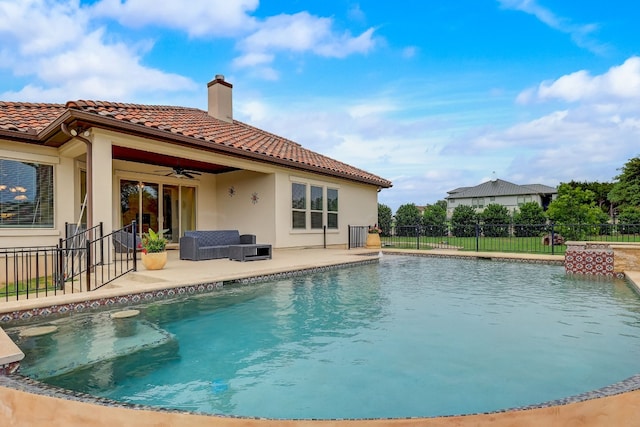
[42, 284]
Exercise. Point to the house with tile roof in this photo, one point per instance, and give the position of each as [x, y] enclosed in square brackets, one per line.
[500, 192]
[171, 168]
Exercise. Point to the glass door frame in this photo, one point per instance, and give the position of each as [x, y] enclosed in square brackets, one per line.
[161, 217]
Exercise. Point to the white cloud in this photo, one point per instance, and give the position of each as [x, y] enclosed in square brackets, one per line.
[620, 83]
[580, 34]
[36, 26]
[299, 33]
[222, 18]
[66, 59]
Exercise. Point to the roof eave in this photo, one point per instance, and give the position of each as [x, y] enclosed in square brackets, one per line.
[185, 140]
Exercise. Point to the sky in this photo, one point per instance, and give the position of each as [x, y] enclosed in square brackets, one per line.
[430, 94]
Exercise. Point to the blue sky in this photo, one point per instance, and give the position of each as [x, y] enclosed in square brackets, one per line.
[430, 94]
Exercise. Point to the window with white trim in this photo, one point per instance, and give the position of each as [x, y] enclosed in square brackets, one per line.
[26, 194]
[313, 207]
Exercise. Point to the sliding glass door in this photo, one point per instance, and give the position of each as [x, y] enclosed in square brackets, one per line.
[141, 201]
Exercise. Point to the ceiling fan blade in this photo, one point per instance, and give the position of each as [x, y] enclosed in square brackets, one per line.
[194, 172]
[188, 175]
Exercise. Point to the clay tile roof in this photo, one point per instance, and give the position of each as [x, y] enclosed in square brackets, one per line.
[189, 122]
[28, 117]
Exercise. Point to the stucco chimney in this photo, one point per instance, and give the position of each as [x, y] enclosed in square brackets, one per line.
[220, 99]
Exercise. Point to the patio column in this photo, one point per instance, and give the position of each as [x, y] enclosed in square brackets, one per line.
[102, 185]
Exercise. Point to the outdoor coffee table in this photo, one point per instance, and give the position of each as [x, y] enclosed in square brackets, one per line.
[249, 252]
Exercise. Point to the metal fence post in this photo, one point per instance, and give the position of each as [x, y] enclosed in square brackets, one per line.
[60, 261]
[553, 240]
[477, 237]
[88, 245]
[134, 232]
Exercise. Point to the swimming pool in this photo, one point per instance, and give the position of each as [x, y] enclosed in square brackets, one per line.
[407, 337]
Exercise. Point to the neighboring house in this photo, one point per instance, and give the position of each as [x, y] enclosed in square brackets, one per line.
[172, 168]
[500, 192]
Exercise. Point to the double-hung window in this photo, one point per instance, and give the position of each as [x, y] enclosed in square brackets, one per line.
[313, 207]
[317, 205]
[299, 205]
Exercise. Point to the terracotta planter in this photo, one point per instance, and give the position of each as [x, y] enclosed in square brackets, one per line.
[154, 260]
[373, 241]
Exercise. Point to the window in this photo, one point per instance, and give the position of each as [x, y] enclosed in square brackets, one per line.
[299, 205]
[26, 194]
[332, 208]
[316, 207]
[477, 202]
[524, 199]
[318, 212]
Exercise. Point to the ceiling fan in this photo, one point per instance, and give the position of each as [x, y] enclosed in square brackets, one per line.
[178, 172]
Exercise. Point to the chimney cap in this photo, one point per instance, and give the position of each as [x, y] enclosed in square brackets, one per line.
[219, 77]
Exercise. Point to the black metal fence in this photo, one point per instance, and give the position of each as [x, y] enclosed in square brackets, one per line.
[542, 238]
[30, 272]
[85, 260]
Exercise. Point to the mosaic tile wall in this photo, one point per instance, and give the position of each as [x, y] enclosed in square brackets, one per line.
[591, 260]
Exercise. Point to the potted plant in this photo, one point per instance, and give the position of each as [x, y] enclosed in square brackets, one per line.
[373, 238]
[153, 250]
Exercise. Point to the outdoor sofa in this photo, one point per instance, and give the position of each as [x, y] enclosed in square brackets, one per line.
[199, 245]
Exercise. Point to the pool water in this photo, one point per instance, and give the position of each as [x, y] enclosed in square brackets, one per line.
[407, 337]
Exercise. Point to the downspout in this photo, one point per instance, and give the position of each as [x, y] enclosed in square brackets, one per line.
[75, 134]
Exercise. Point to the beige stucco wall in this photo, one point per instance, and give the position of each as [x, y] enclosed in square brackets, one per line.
[239, 209]
[357, 205]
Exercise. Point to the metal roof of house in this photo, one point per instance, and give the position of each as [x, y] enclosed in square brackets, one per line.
[40, 123]
[499, 187]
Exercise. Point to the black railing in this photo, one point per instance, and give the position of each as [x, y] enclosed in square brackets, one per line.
[30, 272]
[73, 255]
[84, 261]
[112, 263]
[357, 236]
[479, 237]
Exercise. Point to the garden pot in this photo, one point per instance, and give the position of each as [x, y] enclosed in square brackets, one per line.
[373, 241]
[154, 260]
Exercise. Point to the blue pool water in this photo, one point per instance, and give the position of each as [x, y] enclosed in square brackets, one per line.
[408, 337]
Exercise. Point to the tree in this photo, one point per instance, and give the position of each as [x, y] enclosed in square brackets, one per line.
[528, 220]
[629, 220]
[407, 216]
[573, 208]
[434, 219]
[600, 190]
[463, 221]
[385, 219]
[496, 220]
[626, 191]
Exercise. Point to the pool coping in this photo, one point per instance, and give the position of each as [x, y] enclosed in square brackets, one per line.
[18, 382]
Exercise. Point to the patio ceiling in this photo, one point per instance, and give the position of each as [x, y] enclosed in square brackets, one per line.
[150, 158]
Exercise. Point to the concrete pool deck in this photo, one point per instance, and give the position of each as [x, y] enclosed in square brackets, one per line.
[26, 407]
